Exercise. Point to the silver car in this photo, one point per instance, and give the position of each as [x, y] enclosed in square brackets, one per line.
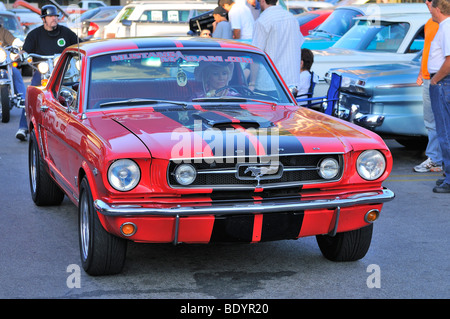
[386, 99]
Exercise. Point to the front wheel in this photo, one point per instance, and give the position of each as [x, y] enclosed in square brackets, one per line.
[347, 246]
[6, 103]
[101, 252]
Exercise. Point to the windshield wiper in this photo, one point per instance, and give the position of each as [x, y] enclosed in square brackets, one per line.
[220, 98]
[233, 99]
[138, 101]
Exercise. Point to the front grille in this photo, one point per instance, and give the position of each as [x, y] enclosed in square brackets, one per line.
[347, 100]
[241, 173]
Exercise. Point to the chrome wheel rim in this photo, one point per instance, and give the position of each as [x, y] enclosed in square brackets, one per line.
[33, 170]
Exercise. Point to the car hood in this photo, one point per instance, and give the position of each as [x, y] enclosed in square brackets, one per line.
[380, 70]
[234, 130]
[326, 59]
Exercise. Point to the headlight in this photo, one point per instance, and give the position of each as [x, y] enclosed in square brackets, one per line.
[124, 175]
[371, 164]
[185, 174]
[329, 168]
[3, 55]
[43, 67]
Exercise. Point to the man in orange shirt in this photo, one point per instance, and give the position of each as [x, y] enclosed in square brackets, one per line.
[434, 161]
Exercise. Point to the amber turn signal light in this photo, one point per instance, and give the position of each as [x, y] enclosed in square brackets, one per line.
[372, 215]
[128, 229]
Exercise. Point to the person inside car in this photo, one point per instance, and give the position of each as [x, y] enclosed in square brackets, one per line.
[215, 77]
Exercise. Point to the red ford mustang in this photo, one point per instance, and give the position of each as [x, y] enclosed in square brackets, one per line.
[184, 140]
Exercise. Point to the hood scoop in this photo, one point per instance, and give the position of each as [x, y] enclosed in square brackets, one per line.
[228, 121]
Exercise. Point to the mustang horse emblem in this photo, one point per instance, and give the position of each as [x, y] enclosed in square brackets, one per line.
[259, 171]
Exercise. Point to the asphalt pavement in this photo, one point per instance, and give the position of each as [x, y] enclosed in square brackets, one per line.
[408, 257]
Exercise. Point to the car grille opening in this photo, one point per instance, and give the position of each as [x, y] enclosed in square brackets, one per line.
[246, 173]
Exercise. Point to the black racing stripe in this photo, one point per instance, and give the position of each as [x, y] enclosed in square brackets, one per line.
[281, 226]
[208, 118]
[286, 142]
[194, 43]
[228, 229]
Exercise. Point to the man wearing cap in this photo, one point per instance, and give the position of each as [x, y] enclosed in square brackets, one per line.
[222, 28]
[48, 39]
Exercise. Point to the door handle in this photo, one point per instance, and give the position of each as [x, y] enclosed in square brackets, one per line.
[44, 107]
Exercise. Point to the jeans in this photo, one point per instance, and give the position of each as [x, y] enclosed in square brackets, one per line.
[440, 103]
[19, 87]
[433, 150]
[35, 81]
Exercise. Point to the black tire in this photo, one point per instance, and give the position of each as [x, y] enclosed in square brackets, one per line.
[44, 190]
[347, 246]
[6, 103]
[101, 252]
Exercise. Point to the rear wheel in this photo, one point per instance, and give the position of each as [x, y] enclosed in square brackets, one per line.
[101, 252]
[347, 246]
[6, 103]
[44, 190]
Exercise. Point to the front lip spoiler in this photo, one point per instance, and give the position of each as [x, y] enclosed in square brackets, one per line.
[373, 197]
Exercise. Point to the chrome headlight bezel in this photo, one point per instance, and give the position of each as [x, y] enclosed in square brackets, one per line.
[329, 168]
[124, 175]
[185, 174]
[371, 165]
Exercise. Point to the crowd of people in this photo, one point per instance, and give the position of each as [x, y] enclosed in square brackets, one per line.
[276, 31]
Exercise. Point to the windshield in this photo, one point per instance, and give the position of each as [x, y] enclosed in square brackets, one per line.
[369, 35]
[337, 23]
[190, 76]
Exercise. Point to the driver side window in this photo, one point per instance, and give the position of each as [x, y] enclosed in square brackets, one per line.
[68, 93]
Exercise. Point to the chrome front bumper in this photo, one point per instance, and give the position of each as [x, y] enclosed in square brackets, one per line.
[375, 197]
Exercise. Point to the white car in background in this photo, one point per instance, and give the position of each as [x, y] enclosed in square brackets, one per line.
[297, 7]
[155, 18]
[390, 38]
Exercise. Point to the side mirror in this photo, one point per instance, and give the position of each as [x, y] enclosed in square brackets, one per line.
[293, 90]
[126, 22]
[67, 97]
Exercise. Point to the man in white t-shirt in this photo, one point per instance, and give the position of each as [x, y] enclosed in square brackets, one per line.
[439, 69]
[240, 18]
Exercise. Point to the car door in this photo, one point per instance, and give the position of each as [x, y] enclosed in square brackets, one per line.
[59, 121]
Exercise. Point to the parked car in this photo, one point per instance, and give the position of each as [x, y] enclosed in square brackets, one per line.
[297, 7]
[141, 137]
[154, 18]
[311, 19]
[388, 39]
[92, 21]
[9, 21]
[342, 19]
[27, 18]
[386, 99]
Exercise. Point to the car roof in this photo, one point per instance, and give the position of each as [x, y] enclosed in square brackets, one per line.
[410, 17]
[308, 4]
[161, 43]
[387, 8]
[170, 4]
